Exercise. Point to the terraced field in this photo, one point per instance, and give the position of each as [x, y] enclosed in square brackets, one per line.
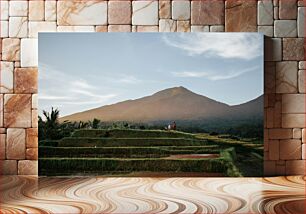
[139, 152]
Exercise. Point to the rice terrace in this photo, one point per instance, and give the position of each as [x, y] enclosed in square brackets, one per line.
[137, 152]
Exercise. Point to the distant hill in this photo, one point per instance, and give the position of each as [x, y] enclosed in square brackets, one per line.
[176, 103]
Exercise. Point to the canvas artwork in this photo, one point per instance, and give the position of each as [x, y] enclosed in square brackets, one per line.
[151, 104]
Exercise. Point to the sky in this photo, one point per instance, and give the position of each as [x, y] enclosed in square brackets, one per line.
[81, 71]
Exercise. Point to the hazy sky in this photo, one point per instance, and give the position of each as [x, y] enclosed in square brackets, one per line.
[80, 71]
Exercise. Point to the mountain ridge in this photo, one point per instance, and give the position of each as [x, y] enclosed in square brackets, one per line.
[176, 103]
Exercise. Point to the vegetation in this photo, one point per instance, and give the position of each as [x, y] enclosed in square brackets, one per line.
[95, 147]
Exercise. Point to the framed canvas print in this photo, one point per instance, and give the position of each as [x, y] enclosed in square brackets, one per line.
[149, 104]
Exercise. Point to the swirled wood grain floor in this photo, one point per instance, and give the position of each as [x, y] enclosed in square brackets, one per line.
[25, 194]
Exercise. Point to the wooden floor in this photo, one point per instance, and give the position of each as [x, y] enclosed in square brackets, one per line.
[152, 195]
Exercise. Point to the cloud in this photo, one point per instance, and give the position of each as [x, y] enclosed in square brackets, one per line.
[128, 80]
[214, 76]
[80, 83]
[59, 88]
[50, 97]
[225, 45]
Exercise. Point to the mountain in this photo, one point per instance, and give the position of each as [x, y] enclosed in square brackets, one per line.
[176, 103]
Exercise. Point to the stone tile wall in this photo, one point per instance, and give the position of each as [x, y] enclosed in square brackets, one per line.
[282, 21]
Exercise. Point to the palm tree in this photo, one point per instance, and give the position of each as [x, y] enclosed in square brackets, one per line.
[51, 124]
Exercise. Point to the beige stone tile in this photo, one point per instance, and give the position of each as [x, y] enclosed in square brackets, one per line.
[89, 12]
[34, 118]
[217, 28]
[6, 77]
[304, 135]
[17, 110]
[75, 29]
[164, 9]
[180, 10]
[266, 30]
[145, 13]
[274, 150]
[32, 138]
[269, 77]
[280, 134]
[295, 167]
[50, 10]
[8, 167]
[34, 101]
[183, 26]
[119, 12]
[290, 149]
[285, 28]
[119, 28]
[11, 49]
[199, 28]
[2, 146]
[18, 27]
[15, 144]
[302, 65]
[2, 130]
[287, 9]
[301, 3]
[147, 28]
[18, 8]
[4, 29]
[40, 26]
[297, 133]
[273, 49]
[293, 103]
[286, 77]
[293, 49]
[265, 12]
[167, 25]
[304, 151]
[239, 16]
[301, 83]
[4, 9]
[293, 120]
[29, 53]
[27, 167]
[32, 154]
[101, 28]
[301, 22]
[36, 10]
[207, 12]
[275, 11]
[1, 111]
[26, 80]
[134, 28]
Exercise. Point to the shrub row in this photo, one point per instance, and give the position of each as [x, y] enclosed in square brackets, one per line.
[129, 133]
[124, 151]
[102, 166]
[115, 142]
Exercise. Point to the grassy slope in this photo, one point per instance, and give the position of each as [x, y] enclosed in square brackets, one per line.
[131, 153]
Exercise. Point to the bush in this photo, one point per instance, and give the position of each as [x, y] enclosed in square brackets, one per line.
[126, 142]
[129, 133]
[125, 152]
[48, 143]
[65, 166]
